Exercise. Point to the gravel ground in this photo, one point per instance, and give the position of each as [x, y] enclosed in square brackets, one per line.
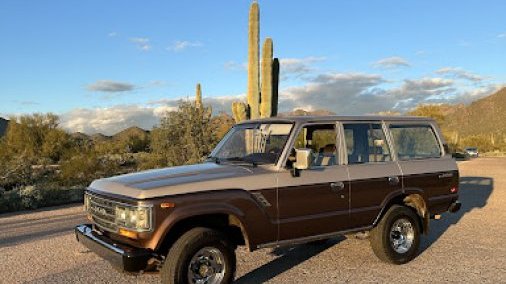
[39, 247]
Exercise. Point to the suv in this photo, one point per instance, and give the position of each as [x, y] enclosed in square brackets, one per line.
[472, 152]
[275, 182]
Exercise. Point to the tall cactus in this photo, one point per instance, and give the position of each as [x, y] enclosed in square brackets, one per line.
[275, 87]
[264, 103]
[266, 93]
[198, 96]
[253, 54]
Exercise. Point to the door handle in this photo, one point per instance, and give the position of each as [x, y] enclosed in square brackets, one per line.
[393, 180]
[337, 186]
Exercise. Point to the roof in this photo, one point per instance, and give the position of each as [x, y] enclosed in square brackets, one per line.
[303, 119]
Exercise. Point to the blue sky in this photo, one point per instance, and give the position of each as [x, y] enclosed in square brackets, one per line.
[104, 65]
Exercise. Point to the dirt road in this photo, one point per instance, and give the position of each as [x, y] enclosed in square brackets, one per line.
[39, 247]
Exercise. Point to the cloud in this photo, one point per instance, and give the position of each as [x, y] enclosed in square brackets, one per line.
[460, 73]
[109, 86]
[142, 43]
[289, 67]
[234, 66]
[112, 34]
[180, 45]
[218, 103]
[391, 63]
[361, 93]
[113, 119]
[503, 35]
[344, 93]
[26, 103]
[298, 67]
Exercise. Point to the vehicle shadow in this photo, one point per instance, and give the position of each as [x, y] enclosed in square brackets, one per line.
[289, 257]
[473, 193]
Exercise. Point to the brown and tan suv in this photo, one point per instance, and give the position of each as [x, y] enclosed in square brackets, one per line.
[275, 182]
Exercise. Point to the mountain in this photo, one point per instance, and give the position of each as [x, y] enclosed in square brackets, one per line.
[3, 126]
[99, 137]
[133, 131]
[80, 136]
[484, 116]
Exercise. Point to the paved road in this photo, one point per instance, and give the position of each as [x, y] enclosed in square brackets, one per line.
[39, 247]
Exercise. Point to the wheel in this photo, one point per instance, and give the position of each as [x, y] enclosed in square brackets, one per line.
[200, 256]
[396, 238]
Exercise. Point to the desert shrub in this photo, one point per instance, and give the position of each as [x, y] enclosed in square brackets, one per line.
[185, 136]
[83, 168]
[38, 196]
[15, 171]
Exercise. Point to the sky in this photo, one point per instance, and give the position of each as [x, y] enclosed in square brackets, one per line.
[106, 65]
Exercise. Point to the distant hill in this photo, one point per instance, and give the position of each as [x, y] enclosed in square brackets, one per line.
[99, 137]
[484, 116]
[80, 136]
[3, 126]
[133, 131]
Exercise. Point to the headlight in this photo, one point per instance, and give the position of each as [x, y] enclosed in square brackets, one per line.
[134, 218]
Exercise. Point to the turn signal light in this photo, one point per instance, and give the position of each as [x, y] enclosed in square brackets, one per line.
[167, 205]
[128, 234]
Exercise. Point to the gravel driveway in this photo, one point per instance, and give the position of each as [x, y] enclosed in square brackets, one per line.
[40, 247]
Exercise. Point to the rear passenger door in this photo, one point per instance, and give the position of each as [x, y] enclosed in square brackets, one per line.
[426, 170]
[373, 173]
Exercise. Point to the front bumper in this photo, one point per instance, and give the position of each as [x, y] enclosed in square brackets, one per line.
[123, 257]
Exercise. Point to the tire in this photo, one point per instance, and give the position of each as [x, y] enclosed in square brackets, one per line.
[212, 246]
[387, 235]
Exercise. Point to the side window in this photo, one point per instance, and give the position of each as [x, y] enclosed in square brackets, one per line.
[366, 143]
[414, 142]
[322, 140]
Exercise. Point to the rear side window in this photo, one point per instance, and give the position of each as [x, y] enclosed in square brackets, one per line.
[413, 142]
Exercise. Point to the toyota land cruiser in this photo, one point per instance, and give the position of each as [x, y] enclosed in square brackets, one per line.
[274, 182]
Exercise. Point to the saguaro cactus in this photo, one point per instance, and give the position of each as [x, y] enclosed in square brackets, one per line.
[266, 94]
[253, 53]
[275, 86]
[198, 96]
[264, 103]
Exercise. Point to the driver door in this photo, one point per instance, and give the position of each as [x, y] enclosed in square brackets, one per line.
[316, 202]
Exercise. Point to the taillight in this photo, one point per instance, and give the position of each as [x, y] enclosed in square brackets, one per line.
[454, 189]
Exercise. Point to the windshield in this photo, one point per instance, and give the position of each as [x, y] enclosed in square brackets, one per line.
[256, 143]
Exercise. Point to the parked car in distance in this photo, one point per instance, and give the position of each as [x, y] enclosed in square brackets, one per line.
[472, 152]
[276, 182]
[461, 156]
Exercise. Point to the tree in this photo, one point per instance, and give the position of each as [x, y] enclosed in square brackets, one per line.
[432, 111]
[184, 136]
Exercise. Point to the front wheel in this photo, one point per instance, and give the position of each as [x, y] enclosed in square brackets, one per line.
[199, 256]
[396, 238]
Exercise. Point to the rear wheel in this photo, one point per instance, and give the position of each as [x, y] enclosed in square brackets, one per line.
[396, 238]
[200, 256]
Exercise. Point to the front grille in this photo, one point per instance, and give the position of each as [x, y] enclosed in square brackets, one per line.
[103, 213]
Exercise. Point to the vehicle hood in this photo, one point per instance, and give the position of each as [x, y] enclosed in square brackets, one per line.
[175, 180]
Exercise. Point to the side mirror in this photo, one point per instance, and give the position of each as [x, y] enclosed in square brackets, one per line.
[303, 159]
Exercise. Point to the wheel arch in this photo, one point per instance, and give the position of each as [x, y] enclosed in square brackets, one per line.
[412, 198]
[228, 220]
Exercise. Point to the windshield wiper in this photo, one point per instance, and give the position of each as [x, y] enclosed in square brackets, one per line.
[214, 159]
[241, 161]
